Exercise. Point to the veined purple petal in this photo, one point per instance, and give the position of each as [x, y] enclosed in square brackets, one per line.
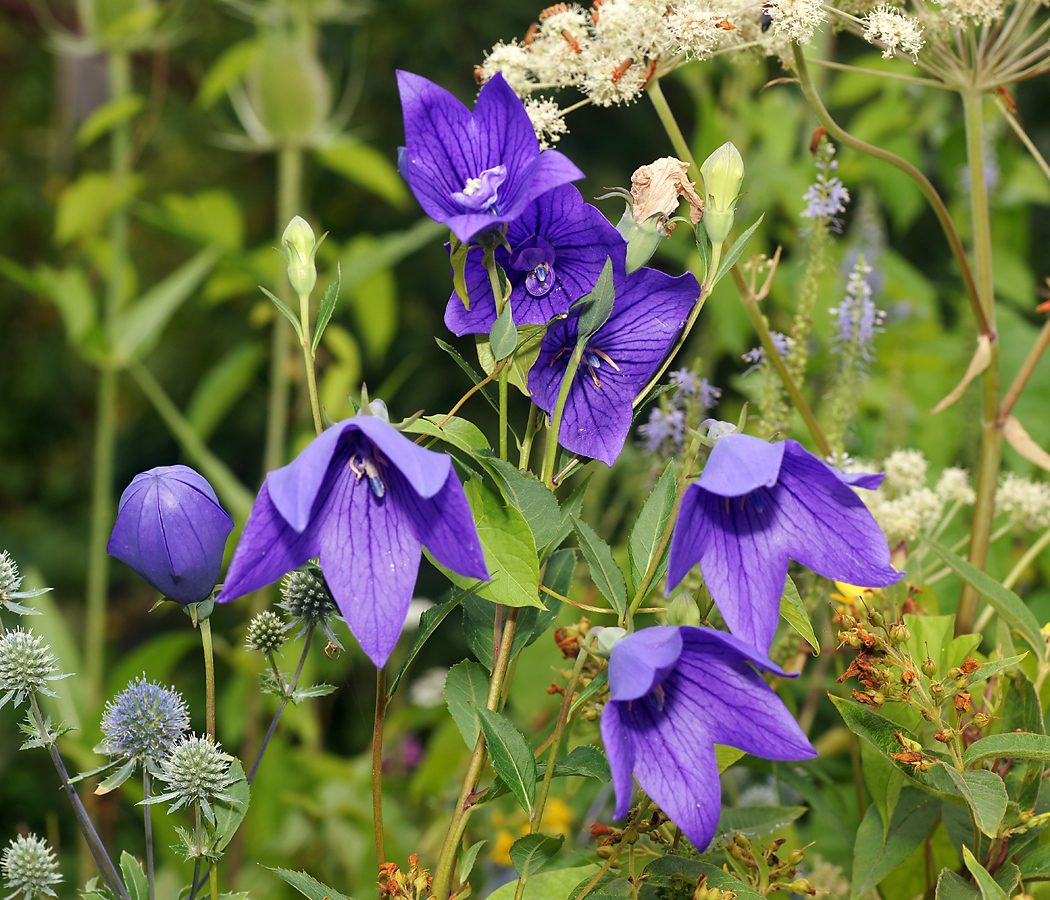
[740, 463]
[293, 488]
[425, 470]
[619, 750]
[504, 132]
[639, 662]
[867, 480]
[545, 172]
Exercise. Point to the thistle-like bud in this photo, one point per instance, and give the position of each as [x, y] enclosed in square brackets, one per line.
[196, 772]
[929, 667]
[26, 666]
[309, 602]
[144, 721]
[10, 580]
[265, 633]
[683, 611]
[301, 248]
[29, 867]
[723, 172]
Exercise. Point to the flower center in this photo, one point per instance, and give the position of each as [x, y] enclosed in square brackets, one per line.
[366, 465]
[535, 257]
[479, 194]
[593, 359]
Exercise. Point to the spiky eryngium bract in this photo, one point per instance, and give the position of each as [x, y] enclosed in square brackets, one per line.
[29, 867]
[265, 633]
[26, 666]
[144, 721]
[196, 772]
[10, 580]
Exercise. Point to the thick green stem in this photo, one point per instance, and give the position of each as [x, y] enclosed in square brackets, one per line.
[991, 432]
[377, 767]
[209, 677]
[289, 191]
[533, 426]
[670, 123]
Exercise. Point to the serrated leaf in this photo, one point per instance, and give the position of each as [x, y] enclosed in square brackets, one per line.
[794, 612]
[466, 691]
[285, 311]
[504, 336]
[532, 498]
[985, 794]
[1017, 746]
[1005, 602]
[327, 307]
[989, 889]
[428, 623]
[117, 778]
[530, 341]
[649, 528]
[511, 757]
[531, 852]
[315, 690]
[739, 245]
[757, 821]
[229, 815]
[597, 306]
[134, 877]
[875, 856]
[605, 574]
[308, 885]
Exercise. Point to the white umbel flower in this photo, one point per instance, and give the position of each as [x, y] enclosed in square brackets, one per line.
[894, 30]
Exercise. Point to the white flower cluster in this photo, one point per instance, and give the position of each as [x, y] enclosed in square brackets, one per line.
[1025, 501]
[887, 25]
[963, 13]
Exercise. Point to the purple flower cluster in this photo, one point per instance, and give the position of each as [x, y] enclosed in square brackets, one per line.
[665, 430]
[856, 319]
[827, 197]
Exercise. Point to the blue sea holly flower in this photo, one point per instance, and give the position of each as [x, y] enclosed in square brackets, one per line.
[474, 171]
[649, 310]
[755, 506]
[560, 245]
[675, 692]
[363, 499]
[172, 530]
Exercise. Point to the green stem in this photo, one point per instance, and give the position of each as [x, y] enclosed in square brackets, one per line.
[1025, 372]
[504, 382]
[628, 833]
[377, 766]
[533, 426]
[447, 857]
[209, 677]
[1026, 560]
[991, 433]
[289, 191]
[308, 360]
[550, 451]
[213, 880]
[148, 827]
[670, 123]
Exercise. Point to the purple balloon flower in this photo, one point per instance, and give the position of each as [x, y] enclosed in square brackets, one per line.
[756, 506]
[649, 310]
[363, 499]
[675, 693]
[559, 247]
[171, 529]
[474, 171]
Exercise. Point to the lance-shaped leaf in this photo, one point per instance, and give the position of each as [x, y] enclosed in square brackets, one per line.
[511, 757]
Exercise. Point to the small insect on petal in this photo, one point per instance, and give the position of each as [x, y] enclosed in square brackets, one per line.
[656, 697]
[622, 68]
[572, 42]
[725, 25]
[530, 35]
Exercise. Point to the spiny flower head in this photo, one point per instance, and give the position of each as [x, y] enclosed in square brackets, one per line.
[26, 666]
[265, 633]
[197, 772]
[29, 867]
[10, 580]
[308, 600]
[144, 721]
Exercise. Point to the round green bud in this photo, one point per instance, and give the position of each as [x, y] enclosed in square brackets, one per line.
[300, 248]
[265, 633]
[723, 172]
[289, 90]
[683, 610]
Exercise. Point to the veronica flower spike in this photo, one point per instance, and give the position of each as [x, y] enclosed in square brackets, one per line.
[755, 506]
[649, 309]
[674, 694]
[363, 499]
[560, 245]
[474, 171]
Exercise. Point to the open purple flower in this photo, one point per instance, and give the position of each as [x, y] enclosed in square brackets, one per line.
[675, 693]
[649, 310]
[756, 506]
[363, 499]
[474, 171]
[559, 247]
[171, 529]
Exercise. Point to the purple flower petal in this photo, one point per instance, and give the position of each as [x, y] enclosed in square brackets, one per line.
[426, 471]
[619, 750]
[642, 662]
[739, 464]
[293, 488]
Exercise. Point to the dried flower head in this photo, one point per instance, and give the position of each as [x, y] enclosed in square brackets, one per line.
[26, 666]
[29, 868]
[657, 187]
[144, 721]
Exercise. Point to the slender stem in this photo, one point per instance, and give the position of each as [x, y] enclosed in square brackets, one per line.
[447, 857]
[94, 842]
[147, 822]
[928, 190]
[195, 882]
[209, 677]
[670, 123]
[991, 433]
[493, 374]
[533, 426]
[1026, 560]
[747, 297]
[213, 880]
[628, 833]
[377, 766]
[1025, 372]
[1011, 119]
[289, 191]
[504, 382]
[308, 360]
[893, 76]
[550, 452]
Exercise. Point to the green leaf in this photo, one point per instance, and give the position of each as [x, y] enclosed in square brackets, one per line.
[209, 217]
[757, 821]
[479, 623]
[952, 886]
[876, 855]
[554, 885]
[649, 528]
[570, 508]
[989, 889]
[86, 204]
[365, 166]
[597, 306]
[504, 336]
[605, 574]
[884, 783]
[511, 756]
[1017, 746]
[308, 885]
[228, 816]
[510, 551]
[467, 859]
[1036, 865]
[531, 852]
[456, 432]
[585, 761]
[458, 260]
[222, 386]
[557, 576]
[134, 877]
[139, 328]
[327, 307]
[739, 245]
[117, 778]
[533, 499]
[988, 669]
[471, 373]
[670, 872]
[726, 756]
[292, 318]
[1005, 602]
[985, 794]
[230, 68]
[796, 615]
[108, 116]
[530, 340]
[466, 692]
[428, 623]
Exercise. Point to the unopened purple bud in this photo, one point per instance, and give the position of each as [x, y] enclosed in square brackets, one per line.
[171, 530]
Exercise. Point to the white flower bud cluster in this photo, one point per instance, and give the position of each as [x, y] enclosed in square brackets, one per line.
[905, 471]
[1025, 501]
[894, 30]
[547, 120]
[963, 13]
[954, 486]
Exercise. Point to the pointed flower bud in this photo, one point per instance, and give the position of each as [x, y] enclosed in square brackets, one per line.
[301, 247]
[171, 529]
[723, 172]
[29, 868]
[683, 611]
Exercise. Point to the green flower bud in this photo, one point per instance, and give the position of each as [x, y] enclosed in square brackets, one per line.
[289, 90]
[265, 633]
[875, 617]
[26, 666]
[604, 637]
[981, 720]
[29, 867]
[301, 247]
[723, 171]
[642, 237]
[928, 666]
[683, 611]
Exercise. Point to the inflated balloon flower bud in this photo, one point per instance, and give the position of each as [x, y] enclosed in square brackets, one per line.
[683, 611]
[300, 249]
[289, 91]
[723, 173]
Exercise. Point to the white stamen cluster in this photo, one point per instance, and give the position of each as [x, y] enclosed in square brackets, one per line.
[796, 19]
[894, 30]
[963, 13]
[547, 120]
[1025, 501]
